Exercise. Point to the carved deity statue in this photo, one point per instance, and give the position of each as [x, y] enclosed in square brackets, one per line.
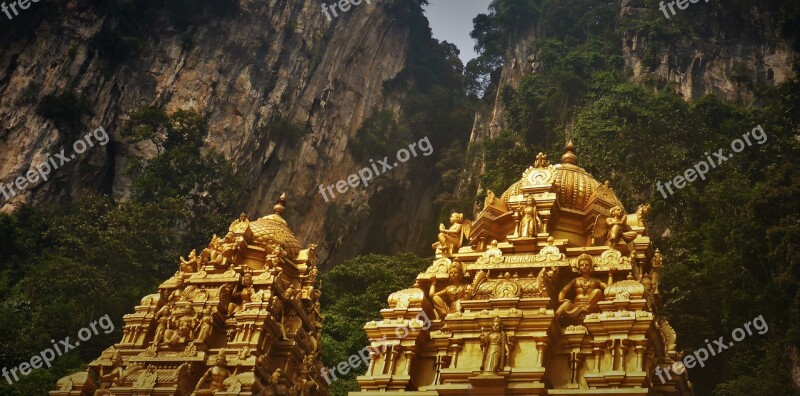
[192, 264]
[448, 300]
[245, 295]
[495, 347]
[450, 238]
[618, 227]
[218, 374]
[205, 327]
[220, 251]
[115, 376]
[530, 224]
[181, 329]
[163, 325]
[588, 291]
[655, 269]
[180, 293]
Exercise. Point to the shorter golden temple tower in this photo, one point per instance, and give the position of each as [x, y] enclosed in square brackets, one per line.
[552, 290]
[239, 318]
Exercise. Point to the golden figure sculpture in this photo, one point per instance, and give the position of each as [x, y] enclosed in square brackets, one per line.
[218, 374]
[656, 265]
[495, 347]
[618, 227]
[192, 264]
[217, 254]
[448, 300]
[277, 312]
[245, 294]
[181, 293]
[531, 223]
[115, 376]
[182, 327]
[163, 325]
[315, 315]
[588, 291]
[205, 327]
[450, 238]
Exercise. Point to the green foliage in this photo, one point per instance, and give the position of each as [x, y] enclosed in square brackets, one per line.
[62, 267]
[55, 268]
[380, 134]
[283, 131]
[66, 110]
[147, 123]
[355, 292]
[204, 182]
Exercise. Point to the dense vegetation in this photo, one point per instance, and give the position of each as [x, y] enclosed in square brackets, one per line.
[62, 267]
[355, 292]
[731, 240]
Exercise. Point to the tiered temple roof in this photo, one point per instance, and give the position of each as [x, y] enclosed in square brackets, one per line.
[551, 290]
[239, 318]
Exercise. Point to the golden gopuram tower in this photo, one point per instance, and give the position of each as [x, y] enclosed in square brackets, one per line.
[551, 290]
[239, 318]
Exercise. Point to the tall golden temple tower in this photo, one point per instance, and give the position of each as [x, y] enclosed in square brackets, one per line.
[239, 318]
[552, 290]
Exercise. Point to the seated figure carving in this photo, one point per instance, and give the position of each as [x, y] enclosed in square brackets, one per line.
[218, 374]
[448, 300]
[450, 238]
[588, 291]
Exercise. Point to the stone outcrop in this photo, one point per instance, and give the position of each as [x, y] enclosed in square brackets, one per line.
[272, 60]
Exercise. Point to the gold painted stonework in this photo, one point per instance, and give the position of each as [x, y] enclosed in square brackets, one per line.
[551, 290]
[240, 318]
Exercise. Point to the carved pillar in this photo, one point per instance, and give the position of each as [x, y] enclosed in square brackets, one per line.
[409, 357]
[541, 348]
[456, 349]
[395, 353]
[620, 348]
[598, 349]
[373, 358]
[639, 348]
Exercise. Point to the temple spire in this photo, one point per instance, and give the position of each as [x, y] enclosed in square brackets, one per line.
[569, 156]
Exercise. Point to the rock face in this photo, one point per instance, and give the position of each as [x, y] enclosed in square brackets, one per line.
[725, 60]
[275, 59]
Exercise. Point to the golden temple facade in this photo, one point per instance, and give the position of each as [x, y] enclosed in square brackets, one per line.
[239, 318]
[552, 290]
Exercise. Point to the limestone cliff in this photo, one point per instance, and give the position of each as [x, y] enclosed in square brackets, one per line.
[729, 56]
[270, 60]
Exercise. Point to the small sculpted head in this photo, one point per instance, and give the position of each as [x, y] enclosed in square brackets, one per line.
[585, 263]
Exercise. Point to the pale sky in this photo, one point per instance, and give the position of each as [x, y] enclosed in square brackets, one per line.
[451, 21]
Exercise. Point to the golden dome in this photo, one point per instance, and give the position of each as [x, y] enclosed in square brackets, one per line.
[272, 229]
[573, 185]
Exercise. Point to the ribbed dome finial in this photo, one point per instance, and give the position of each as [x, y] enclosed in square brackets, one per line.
[281, 205]
[569, 156]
